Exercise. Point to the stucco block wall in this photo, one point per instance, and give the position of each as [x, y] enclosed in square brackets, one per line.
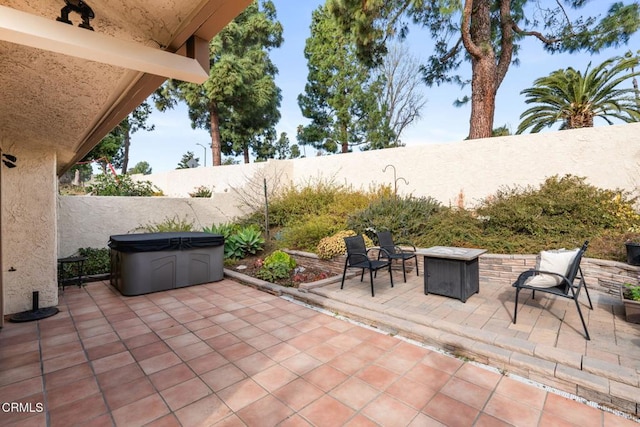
[29, 238]
[608, 156]
[88, 221]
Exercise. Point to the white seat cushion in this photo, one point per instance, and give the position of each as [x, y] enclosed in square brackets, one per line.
[557, 261]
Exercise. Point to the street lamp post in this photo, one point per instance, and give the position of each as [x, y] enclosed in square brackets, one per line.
[205, 153]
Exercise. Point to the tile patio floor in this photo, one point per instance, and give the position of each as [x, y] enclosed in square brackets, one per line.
[226, 354]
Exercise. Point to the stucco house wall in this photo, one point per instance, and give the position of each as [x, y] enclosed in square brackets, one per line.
[29, 229]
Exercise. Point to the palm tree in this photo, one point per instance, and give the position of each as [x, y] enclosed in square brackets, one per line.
[574, 99]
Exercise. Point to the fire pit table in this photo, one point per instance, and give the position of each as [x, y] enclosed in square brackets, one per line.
[451, 272]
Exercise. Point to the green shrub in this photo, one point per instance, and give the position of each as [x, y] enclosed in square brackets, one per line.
[123, 185]
[305, 234]
[98, 262]
[332, 246]
[168, 225]
[278, 265]
[238, 241]
[201, 191]
[406, 218]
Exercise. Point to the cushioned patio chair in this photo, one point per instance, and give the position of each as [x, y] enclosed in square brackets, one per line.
[385, 240]
[358, 257]
[557, 274]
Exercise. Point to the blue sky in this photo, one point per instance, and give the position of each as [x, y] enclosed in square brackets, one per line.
[441, 122]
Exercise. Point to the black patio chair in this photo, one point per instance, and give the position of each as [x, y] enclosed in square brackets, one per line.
[563, 285]
[358, 257]
[385, 240]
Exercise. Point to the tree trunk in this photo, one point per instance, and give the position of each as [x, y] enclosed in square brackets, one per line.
[345, 140]
[483, 97]
[245, 152]
[484, 72]
[125, 155]
[216, 143]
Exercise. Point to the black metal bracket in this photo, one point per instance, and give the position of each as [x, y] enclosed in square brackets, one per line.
[80, 7]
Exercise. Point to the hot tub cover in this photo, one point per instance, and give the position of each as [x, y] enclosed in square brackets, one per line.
[151, 242]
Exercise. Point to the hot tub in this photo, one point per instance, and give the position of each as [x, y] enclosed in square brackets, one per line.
[150, 262]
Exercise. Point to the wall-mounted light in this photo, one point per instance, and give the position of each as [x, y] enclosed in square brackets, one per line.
[9, 160]
[80, 7]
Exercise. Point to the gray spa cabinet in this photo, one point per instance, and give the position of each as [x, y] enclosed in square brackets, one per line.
[150, 262]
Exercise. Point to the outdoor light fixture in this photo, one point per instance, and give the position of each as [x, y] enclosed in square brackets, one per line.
[9, 160]
[79, 7]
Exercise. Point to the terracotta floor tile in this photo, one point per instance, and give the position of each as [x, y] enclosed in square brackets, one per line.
[511, 411]
[301, 363]
[141, 411]
[611, 420]
[378, 377]
[192, 351]
[298, 393]
[348, 363]
[466, 392]
[121, 375]
[242, 394]
[433, 378]
[206, 411]
[134, 331]
[263, 341]
[98, 340]
[324, 352]
[168, 420]
[20, 373]
[111, 362]
[122, 395]
[141, 340]
[149, 350]
[354, 393]
[17, 390]
[549, 419]
[274, 377]
[237, 351]
[280, 352]
[255, 363]
[396, 363]
[325, 377]
[182, 340]
[387, 411]
[521, 392]
[450, 411]
[72, 392]
[47, 353]
[367, 352]
[185, 393]
[360, 420]
[327, 412]
[267, 411]
[63, 361]
[294, 420]
[222, 341]
[104, 350]
[285, 333]
[479, 376]
[485, 420]
[32, 404]
[159, 362]
[344, 341]
[411, 392]
[78, 412]
[207, 362]
[572, 411]
[171, 376]
[223, 377]
[210, 332]
[442, 362]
